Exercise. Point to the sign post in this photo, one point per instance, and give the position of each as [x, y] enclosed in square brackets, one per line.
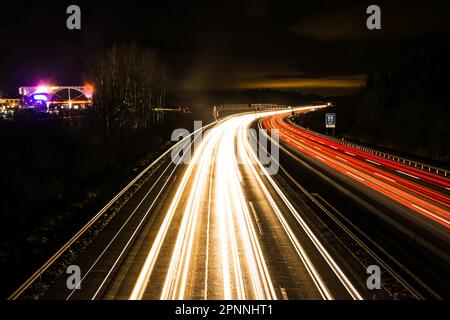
[330, 121]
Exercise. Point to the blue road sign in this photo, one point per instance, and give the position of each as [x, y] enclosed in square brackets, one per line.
[330, 120]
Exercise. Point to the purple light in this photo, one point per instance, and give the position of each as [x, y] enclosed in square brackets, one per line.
[41, 97]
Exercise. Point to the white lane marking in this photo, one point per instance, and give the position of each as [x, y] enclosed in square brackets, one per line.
[334, 147]
[149, 262]
[351, 154]
[284, 294]
[311, 270]
[352, 235]
[373, 162]
[355, 176]
[341, 158]
[447, 188]
[135, 231]
[407, 174]
[315, 276]
[252, 207]
[49, 262]
[384, 177]
[320, 158]
[241, 180]
[208, 225]
[317, 148]
[325, 201]
[430, 213]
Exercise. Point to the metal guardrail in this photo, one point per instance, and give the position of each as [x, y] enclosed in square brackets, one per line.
[36, 275]
[251, 106]
[412, 163]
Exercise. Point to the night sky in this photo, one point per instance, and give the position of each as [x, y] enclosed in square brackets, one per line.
[311, 46]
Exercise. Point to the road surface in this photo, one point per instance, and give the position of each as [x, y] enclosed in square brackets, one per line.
[402, 211]
[228, 225]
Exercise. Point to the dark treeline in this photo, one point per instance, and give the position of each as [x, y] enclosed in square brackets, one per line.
[406, 109]
[217, 97]
[59, 171]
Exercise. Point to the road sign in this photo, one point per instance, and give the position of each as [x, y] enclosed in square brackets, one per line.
[330, 120]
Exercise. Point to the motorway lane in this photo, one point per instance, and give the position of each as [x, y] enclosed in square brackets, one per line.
[430, 203]
[216, 247]
[407, 173]
[222, 227]
[428, 178]
[99, 261]
[217, 231]
[361, 233]
[377, 219]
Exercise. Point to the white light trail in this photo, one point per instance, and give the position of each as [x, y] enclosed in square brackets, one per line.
[243, 269]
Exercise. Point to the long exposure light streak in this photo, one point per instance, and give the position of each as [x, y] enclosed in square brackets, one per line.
[225, 154]
[419, 198]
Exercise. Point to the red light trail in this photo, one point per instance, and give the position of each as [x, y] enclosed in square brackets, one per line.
[371, 170]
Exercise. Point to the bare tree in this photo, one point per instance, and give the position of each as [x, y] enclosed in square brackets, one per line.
[129, 83]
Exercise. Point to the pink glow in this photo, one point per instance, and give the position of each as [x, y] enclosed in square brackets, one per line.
[42, 89]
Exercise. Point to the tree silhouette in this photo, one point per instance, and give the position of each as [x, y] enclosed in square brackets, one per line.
[129, 82]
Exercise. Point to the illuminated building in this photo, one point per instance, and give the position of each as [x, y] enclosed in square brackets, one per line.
[9, 103]
[48, 97]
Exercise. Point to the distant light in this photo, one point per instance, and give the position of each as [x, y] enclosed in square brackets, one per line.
[88, 90]
[42, 89]
[40, 97]
[329, 104]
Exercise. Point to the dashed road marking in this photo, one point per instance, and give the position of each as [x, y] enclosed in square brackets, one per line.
[373, 162]
[430, 213]
[407, 174]
[320, 158]
[351, 154]
[380, 175]
[341, 158]
[284, 294]
[355, 176]
[252, 208]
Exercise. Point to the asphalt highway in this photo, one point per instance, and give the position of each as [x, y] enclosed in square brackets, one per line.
[228, 221]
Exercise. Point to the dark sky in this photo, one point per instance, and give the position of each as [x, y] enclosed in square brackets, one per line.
[312, 46]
